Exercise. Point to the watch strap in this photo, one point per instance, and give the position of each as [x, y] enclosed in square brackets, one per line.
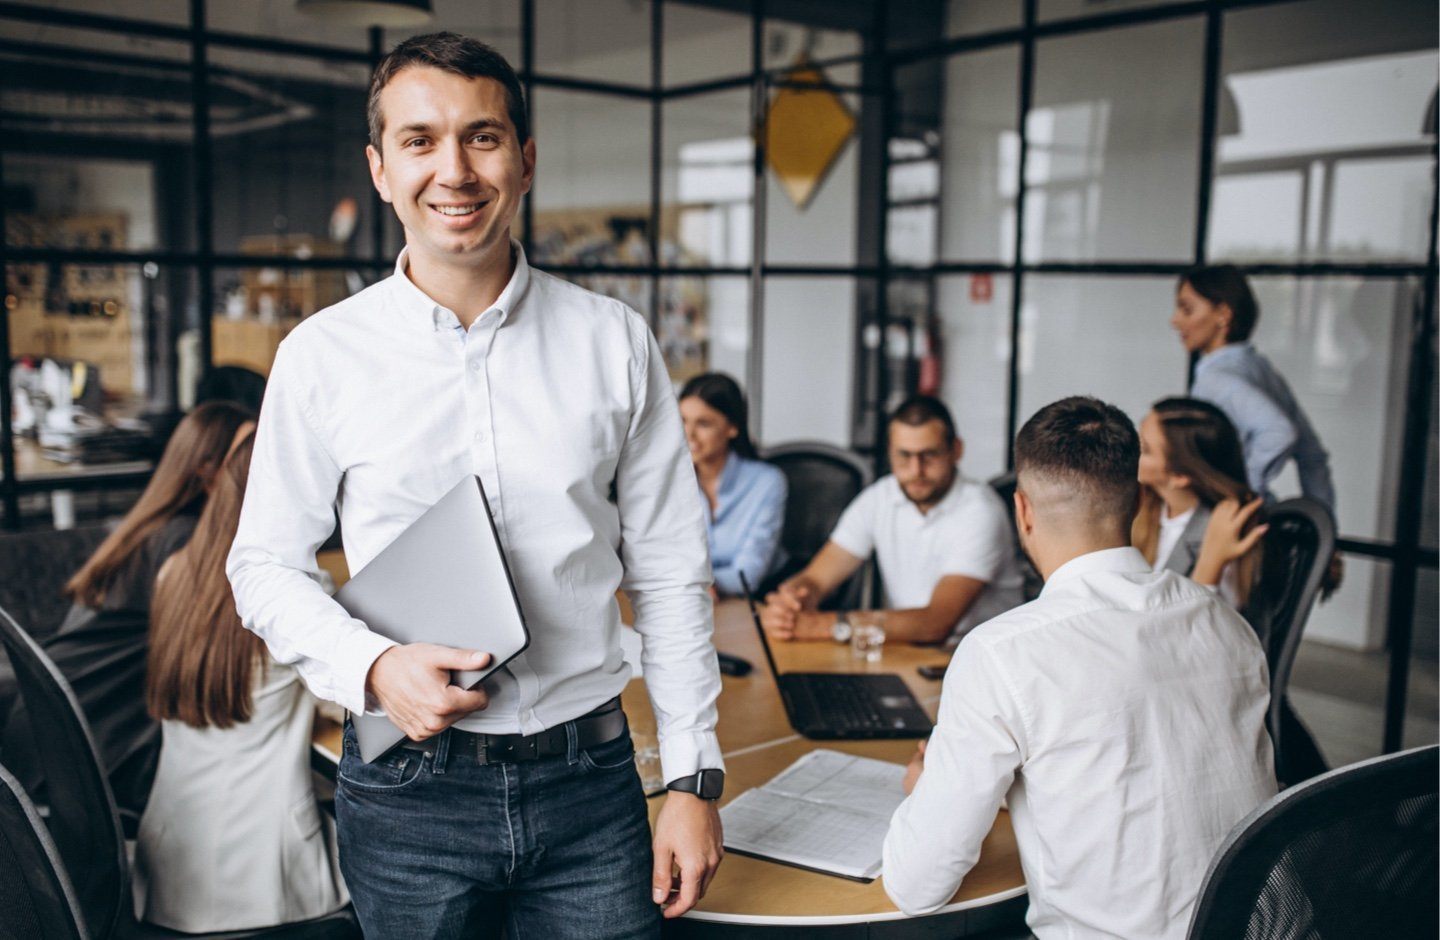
[707, 784]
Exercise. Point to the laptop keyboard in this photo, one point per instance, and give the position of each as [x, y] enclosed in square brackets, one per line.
[845, 703]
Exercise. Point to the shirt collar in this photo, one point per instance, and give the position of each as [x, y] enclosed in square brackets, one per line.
[1126, 560]
[1228, 351]
[418, 307]
[947, 502]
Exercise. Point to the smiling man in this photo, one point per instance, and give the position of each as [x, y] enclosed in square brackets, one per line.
[947, 556]
[515, 805]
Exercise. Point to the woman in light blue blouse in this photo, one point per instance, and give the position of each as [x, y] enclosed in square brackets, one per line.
[744, 496]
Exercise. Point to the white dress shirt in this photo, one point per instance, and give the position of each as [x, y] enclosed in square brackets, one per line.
[559, 400]
[1122, 714]
[967, 533]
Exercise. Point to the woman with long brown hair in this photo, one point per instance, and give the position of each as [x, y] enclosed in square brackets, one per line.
[1196, 510]
[100, 646]
[232, 838]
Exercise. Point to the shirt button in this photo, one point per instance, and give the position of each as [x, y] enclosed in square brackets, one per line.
[475, 366]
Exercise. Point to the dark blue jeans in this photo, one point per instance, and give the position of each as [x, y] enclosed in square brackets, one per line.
[438, 845]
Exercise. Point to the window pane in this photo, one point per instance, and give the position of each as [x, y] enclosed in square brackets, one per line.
[705, 325]
[496, 22]
[592, 179]
[974, 314]
[604, 40]
[708, 180]
[974, 120]
[98, 140]
[91, 357]
[808, 359]
[1325, 151]
[969, 17]
[1342, 344]
[1075, 9]
[1114, 144]
[167, 12]
[288, 145]
[1101, 336]
[786, 42]
[703, 45]
[281, 19]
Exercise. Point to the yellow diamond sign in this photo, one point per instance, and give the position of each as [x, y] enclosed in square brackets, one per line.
[805, 130]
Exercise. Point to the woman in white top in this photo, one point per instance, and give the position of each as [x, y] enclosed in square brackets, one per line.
[232, 837]
[1197, 514]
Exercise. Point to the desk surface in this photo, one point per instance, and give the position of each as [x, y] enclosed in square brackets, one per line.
[758, 743]
[32, 464]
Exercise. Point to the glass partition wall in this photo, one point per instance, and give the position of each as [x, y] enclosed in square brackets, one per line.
[837, 203]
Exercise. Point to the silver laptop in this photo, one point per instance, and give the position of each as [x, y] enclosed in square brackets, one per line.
[443, 580]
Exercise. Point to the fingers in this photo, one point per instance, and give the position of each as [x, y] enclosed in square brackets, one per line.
[1252, 538]
[448, 657]
[691, 876]
[1250, 508]
[660, 877]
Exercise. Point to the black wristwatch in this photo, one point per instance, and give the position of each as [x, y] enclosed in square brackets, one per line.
[707, 784]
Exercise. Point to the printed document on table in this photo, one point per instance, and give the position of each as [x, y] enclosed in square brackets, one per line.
[827, 812]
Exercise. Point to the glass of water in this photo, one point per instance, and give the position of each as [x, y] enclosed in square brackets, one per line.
[867, 634]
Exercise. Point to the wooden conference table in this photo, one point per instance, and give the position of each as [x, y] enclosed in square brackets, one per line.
[750, 896]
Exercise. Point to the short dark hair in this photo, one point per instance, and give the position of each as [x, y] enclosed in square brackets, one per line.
[451, 52]
[722, 393]
[1224, 284]
[1089, 447]
[922, 409]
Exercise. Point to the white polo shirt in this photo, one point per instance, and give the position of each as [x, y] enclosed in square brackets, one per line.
[966, 533]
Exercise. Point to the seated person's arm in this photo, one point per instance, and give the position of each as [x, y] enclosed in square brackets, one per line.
[971, 760]
[790, 610]
[762, 538]
[934, 622]
[1226, 539]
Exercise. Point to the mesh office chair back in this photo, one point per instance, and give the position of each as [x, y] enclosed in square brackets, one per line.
[1297, 551]
[36, 899]
[1352, 853]
[82, 820]
[36, 566]
[822, 479]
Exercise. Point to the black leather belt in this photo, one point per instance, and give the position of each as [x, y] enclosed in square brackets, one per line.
[604, 724]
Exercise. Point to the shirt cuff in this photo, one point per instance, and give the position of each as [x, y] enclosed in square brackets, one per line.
[360, 651]
[684, 754]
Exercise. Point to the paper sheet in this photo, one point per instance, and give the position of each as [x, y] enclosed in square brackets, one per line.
[828, 811]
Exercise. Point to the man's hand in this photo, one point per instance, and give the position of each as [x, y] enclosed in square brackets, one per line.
[688, 850]
[412, 684]
[782, 610]
[915, 768]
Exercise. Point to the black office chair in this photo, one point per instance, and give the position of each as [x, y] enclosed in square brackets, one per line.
[83, 820]
[1004, 486]
[36, 566]
[823, 479]
[1296, 553]
[1351, 853]
[36, 899]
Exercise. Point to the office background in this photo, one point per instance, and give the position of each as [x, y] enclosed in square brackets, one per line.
[996, 197]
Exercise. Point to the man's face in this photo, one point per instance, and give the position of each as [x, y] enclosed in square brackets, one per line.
[451, 164]
[923, 461]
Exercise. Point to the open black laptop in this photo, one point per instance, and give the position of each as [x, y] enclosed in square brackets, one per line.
[833, 705]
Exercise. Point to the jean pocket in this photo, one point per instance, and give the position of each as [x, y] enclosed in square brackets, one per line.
[612, 755]
[395, 771]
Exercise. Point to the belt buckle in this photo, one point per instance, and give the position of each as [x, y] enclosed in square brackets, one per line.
[512, 748]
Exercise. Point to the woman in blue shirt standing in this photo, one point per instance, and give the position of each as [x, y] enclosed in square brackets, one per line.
[1215, 313]
[744, 495]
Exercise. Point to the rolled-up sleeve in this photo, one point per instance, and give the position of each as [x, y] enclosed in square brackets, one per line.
[667, 568]
[972, 758]
[288, 513]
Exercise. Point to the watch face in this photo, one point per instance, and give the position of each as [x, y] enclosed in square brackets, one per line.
[712, 784]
